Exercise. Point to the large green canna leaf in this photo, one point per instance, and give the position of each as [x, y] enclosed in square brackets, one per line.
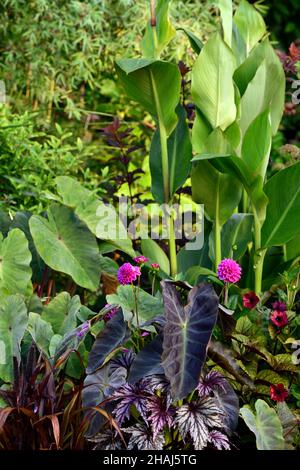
[186, 335]
[66, 245]
[265, 90]
[219, 193]
[283, 212]
[155, 85]
[13, 323]
[247, 70]
[235, 235]
[157, 37]
[179, 155]
[265, 424]
[226, 10]
[15, 258]
[91, 210]
[195, 43]
[236, 167]
[257, 143]
[212, 83]
[250, 25]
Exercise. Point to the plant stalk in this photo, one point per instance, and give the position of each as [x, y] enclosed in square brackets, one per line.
[167, 198]
[259, 255]
[217, 235]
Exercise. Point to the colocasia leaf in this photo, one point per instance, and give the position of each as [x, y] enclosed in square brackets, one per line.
[186, 335]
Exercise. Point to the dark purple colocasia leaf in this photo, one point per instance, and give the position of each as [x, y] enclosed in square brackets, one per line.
[97, 387]
[147, 361]
[111, 337]
[197, 418]
[186, 335]
[142, 438]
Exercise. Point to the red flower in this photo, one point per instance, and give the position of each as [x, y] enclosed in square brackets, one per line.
[250, 300]
[278, 392]
[279, 319]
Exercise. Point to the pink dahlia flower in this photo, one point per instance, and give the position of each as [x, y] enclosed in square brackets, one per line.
[128, 273]
[229, 271]
[141, 259]
[155, 266]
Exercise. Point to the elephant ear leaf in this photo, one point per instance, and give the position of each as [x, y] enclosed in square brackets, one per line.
[186, 335]
[265, 424]
[109, 339]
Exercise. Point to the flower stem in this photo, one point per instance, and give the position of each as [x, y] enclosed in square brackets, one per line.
[217, 233]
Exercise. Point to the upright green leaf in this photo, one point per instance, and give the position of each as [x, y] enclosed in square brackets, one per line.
[179, 155]
[66, 245]
[15, 258]
[226, 10]
[212, 83]
[219, 193]
[235, 166]
[265, 90]
[186, 335]
[235, 235]
[283, 212]
[195, 43]
[265, 424]
[13, 323]
[153, 84]
[257, 143]
[247, 70]
[250, 24]
[158, 35]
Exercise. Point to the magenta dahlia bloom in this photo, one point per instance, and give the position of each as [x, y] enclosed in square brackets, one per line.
[229, 271]
[141, 259]
[128, 273]
[155, 266]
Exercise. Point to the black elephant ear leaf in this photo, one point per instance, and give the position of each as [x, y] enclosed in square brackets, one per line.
[148, 361]
[110, 338]
[186, 335]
